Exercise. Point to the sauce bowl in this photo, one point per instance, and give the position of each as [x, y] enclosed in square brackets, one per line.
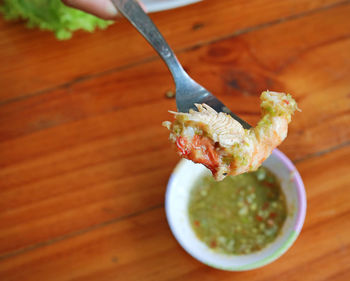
[177, 196]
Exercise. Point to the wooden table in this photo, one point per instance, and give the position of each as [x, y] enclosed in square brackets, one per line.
[85, 161]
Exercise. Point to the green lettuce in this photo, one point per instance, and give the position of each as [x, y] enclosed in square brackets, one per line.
[51, 15]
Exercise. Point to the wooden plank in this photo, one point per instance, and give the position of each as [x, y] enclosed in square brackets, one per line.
[69, 157]
[141, 247]
[33, 61]
[53, 196]
[234, 70]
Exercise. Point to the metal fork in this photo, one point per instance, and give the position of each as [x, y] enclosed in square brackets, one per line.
[188, 92]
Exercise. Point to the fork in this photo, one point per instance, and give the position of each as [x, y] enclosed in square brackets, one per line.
[188, 92]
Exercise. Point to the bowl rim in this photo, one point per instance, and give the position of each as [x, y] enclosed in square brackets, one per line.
[157, 6]
[300, 218]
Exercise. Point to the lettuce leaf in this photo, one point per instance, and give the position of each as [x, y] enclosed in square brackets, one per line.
[51, 15]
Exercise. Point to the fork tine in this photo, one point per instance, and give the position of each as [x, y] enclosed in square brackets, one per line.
[186, 101]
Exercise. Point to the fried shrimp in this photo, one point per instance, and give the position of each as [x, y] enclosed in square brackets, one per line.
[219, 142]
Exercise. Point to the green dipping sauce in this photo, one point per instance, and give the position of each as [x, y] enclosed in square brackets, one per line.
[239, 215]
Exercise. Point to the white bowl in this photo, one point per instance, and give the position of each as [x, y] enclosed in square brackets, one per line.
[180, 183]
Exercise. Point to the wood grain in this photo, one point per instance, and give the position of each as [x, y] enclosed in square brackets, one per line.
[33, 61]
[141, 246]
[233, 70]
[84, 160]
[86, 143]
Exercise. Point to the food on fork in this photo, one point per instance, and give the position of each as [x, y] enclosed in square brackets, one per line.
[219, 142]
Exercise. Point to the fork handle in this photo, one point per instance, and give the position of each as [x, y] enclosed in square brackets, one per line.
[132, 10]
